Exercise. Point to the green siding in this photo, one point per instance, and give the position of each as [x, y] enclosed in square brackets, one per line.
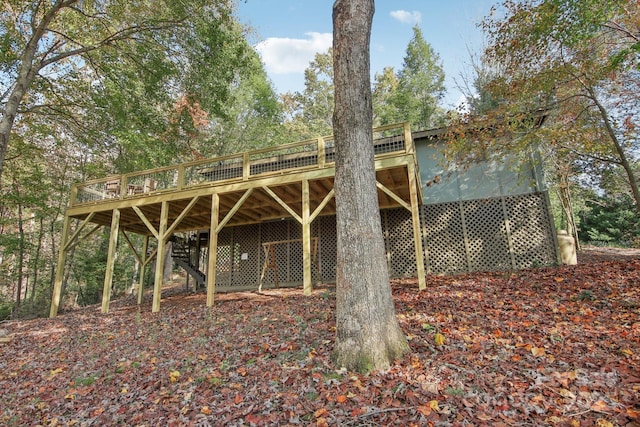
[482, 180]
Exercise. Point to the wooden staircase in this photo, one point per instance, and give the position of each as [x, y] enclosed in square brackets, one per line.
[185, 254]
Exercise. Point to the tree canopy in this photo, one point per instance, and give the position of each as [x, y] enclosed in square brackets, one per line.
[76, 61]
[420, 86]
[576, 61]
[90, 88]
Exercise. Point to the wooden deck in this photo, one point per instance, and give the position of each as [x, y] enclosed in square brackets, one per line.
[294, 180]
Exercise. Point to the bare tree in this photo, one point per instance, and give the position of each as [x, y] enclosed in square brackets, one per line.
[368, 335]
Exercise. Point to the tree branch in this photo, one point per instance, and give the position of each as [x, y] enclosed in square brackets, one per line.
[124, 34]
[615, 26]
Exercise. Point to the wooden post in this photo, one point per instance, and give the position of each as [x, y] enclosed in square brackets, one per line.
[111, 259]
[307, 285]
[213, 249]
[181, 182]
[62, 258]
[73, 198]
[415, 219]
[408, 138]
[322, 154]
[162, 240]
[143, 265]
[246, 167]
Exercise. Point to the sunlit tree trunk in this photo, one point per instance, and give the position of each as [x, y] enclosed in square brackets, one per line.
[368, 336]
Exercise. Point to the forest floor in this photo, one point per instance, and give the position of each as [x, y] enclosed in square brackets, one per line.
[547, 346]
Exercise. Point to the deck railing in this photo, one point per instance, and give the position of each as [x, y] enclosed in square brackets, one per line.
[311, 154]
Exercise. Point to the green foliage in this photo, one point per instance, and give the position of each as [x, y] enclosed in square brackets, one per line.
[6, 309]
[310, 113]
[420, 85]
[385, 87]
[109, 73]
[251, 118]
[412, 94]
[118, 86]
[611, 221]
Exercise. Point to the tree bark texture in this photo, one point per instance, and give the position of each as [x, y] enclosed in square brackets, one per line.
[368, 335]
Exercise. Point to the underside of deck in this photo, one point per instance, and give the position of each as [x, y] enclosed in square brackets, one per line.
[266, 201]
[295, 180]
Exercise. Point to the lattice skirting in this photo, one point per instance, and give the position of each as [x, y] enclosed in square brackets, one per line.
[504, 233]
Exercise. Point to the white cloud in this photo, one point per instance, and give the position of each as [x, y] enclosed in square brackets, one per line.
[405, 17]
[286, 55]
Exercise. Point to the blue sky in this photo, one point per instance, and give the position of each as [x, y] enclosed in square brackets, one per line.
[288, 33]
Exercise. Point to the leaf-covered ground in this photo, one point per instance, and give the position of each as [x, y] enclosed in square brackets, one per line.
[553, 346]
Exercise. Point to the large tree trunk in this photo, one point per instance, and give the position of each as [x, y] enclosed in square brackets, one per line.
[368, 335]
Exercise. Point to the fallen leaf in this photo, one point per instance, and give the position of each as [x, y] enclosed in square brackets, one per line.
[429, 386]
[439, 339]
[566, 393]
[632, 413]
[537, 351]
[174, 375]
[600, 406]
[320, 412]
[55, 372]
[425, 410]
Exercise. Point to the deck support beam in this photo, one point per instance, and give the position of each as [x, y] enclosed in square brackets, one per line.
[305, 220]
[414, 207]
[111, 259]
[213, 249]
[143, 264]
[415, 220]
[162, 241]
[307, 285]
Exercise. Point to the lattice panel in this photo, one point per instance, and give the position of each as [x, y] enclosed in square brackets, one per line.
[399, 243]
[246, 255]
[444, 236]
[530, 230]
[295, 266]
[446, 229]
[224, 265]
[487, 235]
[327, 247]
